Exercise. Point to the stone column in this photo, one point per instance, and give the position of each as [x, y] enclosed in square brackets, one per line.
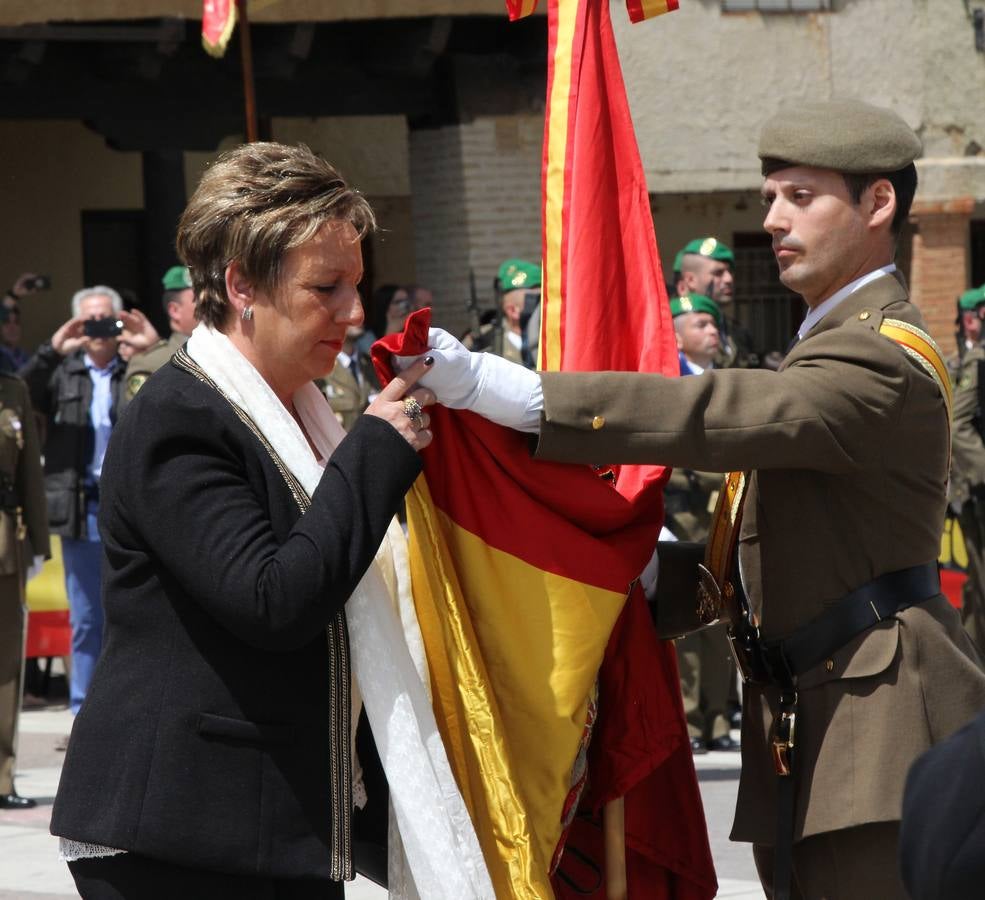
[939, 266]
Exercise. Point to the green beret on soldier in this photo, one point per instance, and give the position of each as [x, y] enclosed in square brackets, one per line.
[512, 329]
[708, 247]
[705, 266]
[695, 303]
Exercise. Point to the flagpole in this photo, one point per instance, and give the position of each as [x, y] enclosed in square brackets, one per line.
[246, 56]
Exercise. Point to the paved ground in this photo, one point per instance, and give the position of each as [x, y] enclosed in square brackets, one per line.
[30, 870]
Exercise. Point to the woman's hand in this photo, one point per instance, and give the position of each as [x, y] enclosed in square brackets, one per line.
[403, 405]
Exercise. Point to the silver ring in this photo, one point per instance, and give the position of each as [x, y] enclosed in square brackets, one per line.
[413, 411]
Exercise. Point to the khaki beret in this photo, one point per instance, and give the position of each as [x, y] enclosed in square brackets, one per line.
[843, 135]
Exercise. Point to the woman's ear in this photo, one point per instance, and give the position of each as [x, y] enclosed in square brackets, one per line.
[239, 289]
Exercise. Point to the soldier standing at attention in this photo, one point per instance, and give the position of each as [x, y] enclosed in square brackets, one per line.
[855, 662]
[966, 489]
[703, 659]
[179, 304]
[23, 535]
[705, 266]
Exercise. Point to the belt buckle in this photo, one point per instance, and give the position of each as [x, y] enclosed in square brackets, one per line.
[709, 597]
[782, 743]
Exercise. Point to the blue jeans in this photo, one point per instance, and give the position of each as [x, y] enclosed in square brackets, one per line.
[83, 584]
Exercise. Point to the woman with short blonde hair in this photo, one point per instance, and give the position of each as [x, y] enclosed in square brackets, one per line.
[212, 757]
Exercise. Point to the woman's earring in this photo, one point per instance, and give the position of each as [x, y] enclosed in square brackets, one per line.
[247, 313]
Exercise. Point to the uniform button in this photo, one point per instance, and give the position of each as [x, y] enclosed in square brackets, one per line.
[862, 316]
[829, 665]
[598, 422]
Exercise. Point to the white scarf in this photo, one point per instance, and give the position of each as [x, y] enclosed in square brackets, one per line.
[440, 854]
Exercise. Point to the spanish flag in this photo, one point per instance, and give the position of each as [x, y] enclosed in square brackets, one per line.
[218, 22]
[553, 695]
[638, 9]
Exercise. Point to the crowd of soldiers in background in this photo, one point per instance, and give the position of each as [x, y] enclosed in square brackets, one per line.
[81, 380]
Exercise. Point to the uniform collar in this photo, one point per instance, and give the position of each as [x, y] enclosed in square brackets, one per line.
[826, 306]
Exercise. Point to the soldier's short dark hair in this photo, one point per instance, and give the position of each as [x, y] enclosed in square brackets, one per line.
[253, 205]
[168, 296]
[904, 182]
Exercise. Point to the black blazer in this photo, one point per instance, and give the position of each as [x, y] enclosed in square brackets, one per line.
[942, 834]
[204, 738]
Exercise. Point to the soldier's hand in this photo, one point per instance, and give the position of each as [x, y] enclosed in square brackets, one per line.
[69, 337]
[502, 391]
[138, 331]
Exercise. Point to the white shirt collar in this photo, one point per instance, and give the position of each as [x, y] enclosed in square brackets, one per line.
[822, 309]
[695, 368]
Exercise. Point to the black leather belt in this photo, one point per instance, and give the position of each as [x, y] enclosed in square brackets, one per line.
[789, 658]
[857, 611]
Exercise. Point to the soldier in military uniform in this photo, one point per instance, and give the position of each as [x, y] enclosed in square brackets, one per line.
[704, 659]
[856, 662]
[966, 489]
[23, 535]
[515, 331]
[705, 266]
[179, 304]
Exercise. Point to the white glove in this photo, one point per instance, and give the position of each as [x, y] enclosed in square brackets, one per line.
[501, 391]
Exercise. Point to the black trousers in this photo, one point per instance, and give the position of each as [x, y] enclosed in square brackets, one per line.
[129, 876]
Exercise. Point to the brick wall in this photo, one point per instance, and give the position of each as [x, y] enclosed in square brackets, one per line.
[475, 192]
[939, 266]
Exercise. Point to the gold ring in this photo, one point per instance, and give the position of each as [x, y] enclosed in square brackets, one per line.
[413, 411]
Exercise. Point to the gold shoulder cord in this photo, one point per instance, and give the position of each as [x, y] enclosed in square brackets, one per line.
[920, 346]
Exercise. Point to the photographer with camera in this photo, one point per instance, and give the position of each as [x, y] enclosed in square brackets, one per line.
[76, 383]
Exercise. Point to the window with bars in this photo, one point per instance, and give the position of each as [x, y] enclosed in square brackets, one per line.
[770, 311]
[777, 6]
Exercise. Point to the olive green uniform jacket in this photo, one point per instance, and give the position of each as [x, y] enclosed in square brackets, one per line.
[966, 489]
[348, 397]
[142, 365]
[848, 448]
[23, 535]
[737, 349]
[967, 449]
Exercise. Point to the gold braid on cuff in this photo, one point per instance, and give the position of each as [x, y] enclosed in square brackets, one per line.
[413, 411]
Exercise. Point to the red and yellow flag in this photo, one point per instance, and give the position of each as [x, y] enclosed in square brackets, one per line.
[604, 307]
[638, 9]
[521, 568]
[218, 22]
